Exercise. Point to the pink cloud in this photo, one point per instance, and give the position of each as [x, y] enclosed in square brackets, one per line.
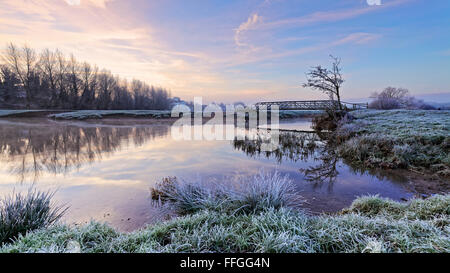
[98, 3]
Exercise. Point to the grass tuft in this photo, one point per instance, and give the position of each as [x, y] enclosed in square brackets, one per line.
[20, 213]
[244, 195]
[437, 206]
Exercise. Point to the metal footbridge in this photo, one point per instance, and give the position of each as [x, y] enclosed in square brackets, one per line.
[311, 105]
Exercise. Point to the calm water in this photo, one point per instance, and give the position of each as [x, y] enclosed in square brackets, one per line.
[103, 171]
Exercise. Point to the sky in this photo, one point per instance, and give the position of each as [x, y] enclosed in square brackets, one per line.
[245, 50]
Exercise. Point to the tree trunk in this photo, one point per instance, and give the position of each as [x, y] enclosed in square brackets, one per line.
[338, 99]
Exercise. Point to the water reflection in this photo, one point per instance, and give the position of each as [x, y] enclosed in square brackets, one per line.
[298, 146]
[29, 150]
[292, 146]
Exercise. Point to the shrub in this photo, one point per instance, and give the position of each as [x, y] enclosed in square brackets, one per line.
[20, 213]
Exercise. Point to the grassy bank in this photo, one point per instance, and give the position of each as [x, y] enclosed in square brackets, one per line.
[259, 218]
[368, 226]
[410, 139]
[85, 114]
[25, 113]
[99, 114]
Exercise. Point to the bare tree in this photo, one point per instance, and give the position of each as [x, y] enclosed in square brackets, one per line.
[88, 80]
[328, 81]
[8, 84]
[390, 98]
[74, 82]
[48, 67]
[30, 63]
[22, 62]
[107, 83]
[396, 98]
[136, 89]
[61, 73]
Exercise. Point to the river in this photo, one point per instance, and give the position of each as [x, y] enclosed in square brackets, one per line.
[103, 170]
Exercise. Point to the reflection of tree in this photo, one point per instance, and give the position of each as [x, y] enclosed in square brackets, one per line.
[326, 171]
[28, 150]
[295, 146]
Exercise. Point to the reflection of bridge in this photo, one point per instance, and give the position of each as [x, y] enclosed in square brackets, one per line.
[311, 105]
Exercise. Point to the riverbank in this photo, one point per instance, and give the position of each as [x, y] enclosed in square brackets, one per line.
[371, 224]
[416, 140]
[85, 114]
[103, 114]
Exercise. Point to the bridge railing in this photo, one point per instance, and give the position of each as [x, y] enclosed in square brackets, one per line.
[312, 105]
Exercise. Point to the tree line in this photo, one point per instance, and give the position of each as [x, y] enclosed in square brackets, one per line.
[51, 80]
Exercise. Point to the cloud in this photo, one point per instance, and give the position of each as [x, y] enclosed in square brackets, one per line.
[252, 21]
[97, 3]
[73, 2]
[330, 16]
[358, 38]
[374, 2]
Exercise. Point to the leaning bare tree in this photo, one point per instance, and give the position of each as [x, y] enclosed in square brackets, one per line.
[328, 81]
